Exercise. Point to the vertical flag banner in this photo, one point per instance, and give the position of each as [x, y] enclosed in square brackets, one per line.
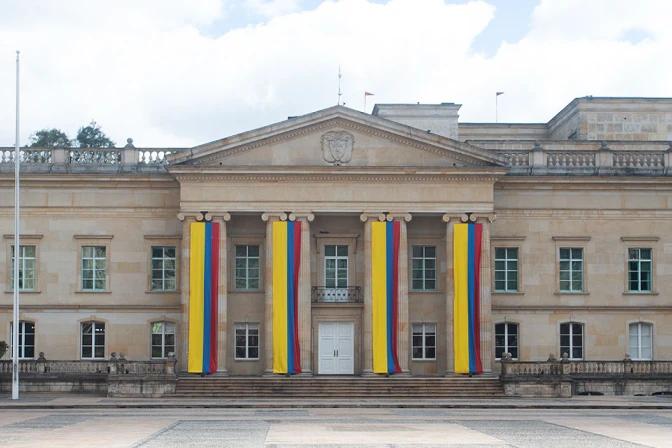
[385, 290]
[286, 262]
[466, 299]
[203, 297]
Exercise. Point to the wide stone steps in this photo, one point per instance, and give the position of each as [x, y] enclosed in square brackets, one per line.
[338, 388]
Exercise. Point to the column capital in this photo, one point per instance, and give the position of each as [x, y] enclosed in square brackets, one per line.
[274, 216]
[380, 216]
[309, 216]
[470, 217]
[190, 216]
[399, 216]
[224, 216]
[483, 217]
[448, 217]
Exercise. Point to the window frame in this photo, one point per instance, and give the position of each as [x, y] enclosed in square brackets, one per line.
[572, 242]
[163, 338]
[22, 336]
[246, 326]
[152, 241]
[508, 242]
[571, 339]
[424, 268]
[245, 240]
[94, 322]
[507, 272]
[247, 259]
[640, 242]
[506, 339]
[640, 324]
[93, 241]
[424, 336]
[323, 240]
[430, 239]
[24, 240]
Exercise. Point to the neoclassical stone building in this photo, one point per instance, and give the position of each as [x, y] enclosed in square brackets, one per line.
[575, 241]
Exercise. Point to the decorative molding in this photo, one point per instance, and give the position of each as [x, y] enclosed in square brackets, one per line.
[10, 236]
[376, 215]
[571, 238]
[163, 237]
[640, 238]
[224, 216]
[490, 217]
[399, 216]
[282, 216]
[337, 147]
[507, 238]
[197, 216]
[309, 216]
[93, 237]
[168, 308]
[428, 236]
[447, 176]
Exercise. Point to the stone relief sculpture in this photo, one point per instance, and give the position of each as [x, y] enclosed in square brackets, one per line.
[337, 147]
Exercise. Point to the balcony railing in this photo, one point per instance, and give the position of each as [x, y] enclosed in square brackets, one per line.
[350, 294]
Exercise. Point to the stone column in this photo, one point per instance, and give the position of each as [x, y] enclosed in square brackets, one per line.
[222, 303]
[403, 334]
[486, 327]
[183, 333]
[367, 316]
[450, 359]
[269, 218]
[305, 305]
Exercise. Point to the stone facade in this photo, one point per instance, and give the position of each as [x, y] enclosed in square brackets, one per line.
[535, 189]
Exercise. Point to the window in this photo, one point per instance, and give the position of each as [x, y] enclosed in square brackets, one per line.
[506, 340]
[424, 268]
[247, 341]
[164, 268]
[641, 341]
[424, 341]
[247, 267]
[93, 340]
[26, 339]
[571, 269]
[94, 268]
[571, 340]
[163, 339]
[336, 266]
[27, 277]
[506, 269]
[639, 270]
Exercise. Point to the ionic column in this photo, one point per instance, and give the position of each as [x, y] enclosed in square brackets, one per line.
[305, 305]
[269, 218]
[183, 333]
[367, 315]
[486, 327]
[222, 293]
[450, 220]
[403, 334]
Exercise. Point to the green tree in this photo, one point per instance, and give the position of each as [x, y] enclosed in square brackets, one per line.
[50, 138]
[3, 348]
[92, 136]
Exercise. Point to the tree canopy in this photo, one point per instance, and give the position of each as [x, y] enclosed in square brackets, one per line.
[50, 138]
[92, 136]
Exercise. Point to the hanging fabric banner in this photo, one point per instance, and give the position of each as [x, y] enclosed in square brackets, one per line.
[203, 297]
[385, 291]
[466, 299]
[286, 262]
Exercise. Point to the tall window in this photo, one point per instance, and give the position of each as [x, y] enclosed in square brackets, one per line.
[163, 268]
[424, 341]
[93, 340]
[26, 269]
[94, 268]
[506, 269]
[639, 270]
[571, 340]
[163, 339]
[336, 266]
[247, 341]
[506, 340]
[571, 269]
[26, 339]
[247, 267]
[424, 268]
[641, 341]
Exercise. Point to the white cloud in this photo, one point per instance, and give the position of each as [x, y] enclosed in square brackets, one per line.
[144, 70]
[272, 8]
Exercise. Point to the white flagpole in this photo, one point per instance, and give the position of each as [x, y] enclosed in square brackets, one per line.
[17, 251]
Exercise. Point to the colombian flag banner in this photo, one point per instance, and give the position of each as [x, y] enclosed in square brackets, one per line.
[286, 262]
[466, 300]
[384, 286]
[203, 287]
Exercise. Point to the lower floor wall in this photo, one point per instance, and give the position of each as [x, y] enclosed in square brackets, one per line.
[147, 386]
[568, 386]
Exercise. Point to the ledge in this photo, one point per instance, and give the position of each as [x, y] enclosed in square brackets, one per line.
[507, 293]
[93, 237]
[163, 237]
[649, 293]
[567, 293]
[640, 238]
[571, 238]
[10, 236]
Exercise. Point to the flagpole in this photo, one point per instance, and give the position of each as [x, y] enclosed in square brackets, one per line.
[17, 251]
[496, 106]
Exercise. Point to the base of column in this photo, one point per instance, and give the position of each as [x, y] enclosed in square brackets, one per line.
[268, 373]
[369, 374]
[222, 372]
[307, 373]
[403, 374]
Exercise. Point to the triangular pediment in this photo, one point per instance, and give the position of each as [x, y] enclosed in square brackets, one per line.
[337, 136]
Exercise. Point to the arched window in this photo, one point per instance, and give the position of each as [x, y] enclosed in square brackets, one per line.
[506, 339]
[641, 341]
[93, 340]
[26, 339]
[571, 340]
[163, 339]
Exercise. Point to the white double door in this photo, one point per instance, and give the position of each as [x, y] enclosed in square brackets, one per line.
[336, 348]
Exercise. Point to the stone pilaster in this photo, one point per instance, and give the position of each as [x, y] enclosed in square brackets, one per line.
[305, 305]
[486, 327]
[403, 335]
[183, 333]
[269, 218]
[222, 293]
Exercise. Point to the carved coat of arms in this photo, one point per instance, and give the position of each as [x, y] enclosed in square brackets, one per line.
[337, 146]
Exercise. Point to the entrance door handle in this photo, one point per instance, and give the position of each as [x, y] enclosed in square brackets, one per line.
[334, 353]
[337, 353]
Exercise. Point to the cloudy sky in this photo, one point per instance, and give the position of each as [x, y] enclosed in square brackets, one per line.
[178, 73]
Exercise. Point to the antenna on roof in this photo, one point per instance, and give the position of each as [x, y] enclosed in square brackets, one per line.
[339, 84]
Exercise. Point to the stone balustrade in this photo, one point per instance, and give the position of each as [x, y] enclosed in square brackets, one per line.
[88, 156]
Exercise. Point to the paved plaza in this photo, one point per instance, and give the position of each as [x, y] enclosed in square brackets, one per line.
[86, 421]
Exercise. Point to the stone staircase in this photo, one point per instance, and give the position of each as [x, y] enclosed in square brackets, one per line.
[343, 387]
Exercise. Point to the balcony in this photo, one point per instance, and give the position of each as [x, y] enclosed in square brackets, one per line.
[350, 294]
